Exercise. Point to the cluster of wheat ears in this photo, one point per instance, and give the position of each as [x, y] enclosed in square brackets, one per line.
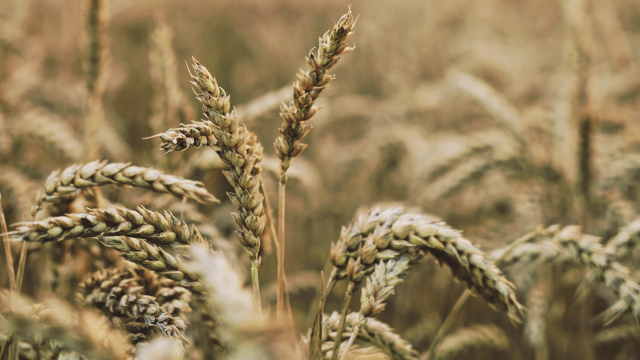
[176, 297]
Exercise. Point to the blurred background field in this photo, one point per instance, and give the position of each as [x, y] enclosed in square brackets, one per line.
[497, 116]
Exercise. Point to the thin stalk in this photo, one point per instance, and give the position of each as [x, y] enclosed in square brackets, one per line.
[7, 250]
[281, 274]
[331, 282]
[343, 318]
[21, 264]
[446, 325]
[256, 286]
[465, 295]
[354, 334]
[5, 347]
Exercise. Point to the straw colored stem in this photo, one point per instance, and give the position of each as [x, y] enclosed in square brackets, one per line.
[281, 274]
[7, 250]
[22, 264]
[343, 318]
[429, 355]
[352, 338]
[256, 287]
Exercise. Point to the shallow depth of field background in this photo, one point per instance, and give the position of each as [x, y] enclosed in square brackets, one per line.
[409, 119]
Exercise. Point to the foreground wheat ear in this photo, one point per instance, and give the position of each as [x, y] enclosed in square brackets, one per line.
[239, 149]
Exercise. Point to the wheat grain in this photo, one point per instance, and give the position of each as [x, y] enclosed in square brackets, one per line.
[100, 173]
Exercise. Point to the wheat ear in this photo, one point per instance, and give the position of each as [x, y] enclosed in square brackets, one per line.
[99, 173]
[237, 148]
[162, 229]
[383, 234]
[306, 90]
[373, 331]
[379, 286]
[117, 294]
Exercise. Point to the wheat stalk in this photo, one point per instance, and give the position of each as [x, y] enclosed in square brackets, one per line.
[100, 173]
[305, 92]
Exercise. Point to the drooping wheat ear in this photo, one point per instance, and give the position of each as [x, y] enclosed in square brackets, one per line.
[308, 87]
[379, 286]
[100, 173]
[55, 321]
[588, 250]
[384, 234]
[627, 239]
[119, 296]
[476, 336]
[375, 332]
[569, 243]
[142, 223]
[156, 259]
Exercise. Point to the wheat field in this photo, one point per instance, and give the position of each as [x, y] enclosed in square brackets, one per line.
[413, 180]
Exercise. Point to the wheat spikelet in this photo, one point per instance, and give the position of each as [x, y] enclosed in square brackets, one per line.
[383, 234]
[472, 337]
[99, 173]
[375, 332]
[119, 296]
[624, 242]
[308, 88]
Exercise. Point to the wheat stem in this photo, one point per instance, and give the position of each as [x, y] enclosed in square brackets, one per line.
[22, 264]
[430, 354]
[281, 273]
[343, 317]
[256, 286]
[352, 338]
[7, 250]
